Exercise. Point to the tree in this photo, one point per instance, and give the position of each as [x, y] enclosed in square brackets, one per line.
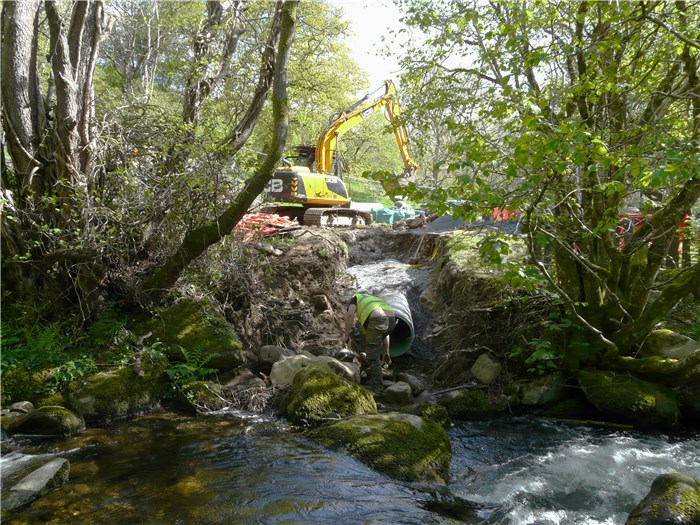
[199, 239]
[573, 113]
[51, 142]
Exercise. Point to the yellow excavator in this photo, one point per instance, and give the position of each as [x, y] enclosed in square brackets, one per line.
[321, 196]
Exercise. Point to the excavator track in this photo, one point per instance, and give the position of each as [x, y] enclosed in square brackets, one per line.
[336, 217]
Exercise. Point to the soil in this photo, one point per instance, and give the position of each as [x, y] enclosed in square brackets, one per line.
[297, 298]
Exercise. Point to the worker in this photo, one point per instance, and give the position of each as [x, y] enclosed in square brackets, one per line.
[378, 321]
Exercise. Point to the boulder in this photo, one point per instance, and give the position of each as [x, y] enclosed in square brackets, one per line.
[270, 354]
[626, 399]
[689, 401]
[22, 406]
[403, 446]
[544, 391]
[202, 396]
[472, 404]
[417, 386]
[283, 371]
[673, 498]
[48, 421]
[668, 344]
[118, 393]
[399, 393]
[437, 413]
[244, 379]
[321, 304]
[195, 325]
[486, 370]
[317, 392]
[51, 475]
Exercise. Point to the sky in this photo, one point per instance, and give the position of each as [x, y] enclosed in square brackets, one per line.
[369, 21]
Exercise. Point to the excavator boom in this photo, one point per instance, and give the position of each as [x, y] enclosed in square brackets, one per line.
[341, 122]
[321, 198]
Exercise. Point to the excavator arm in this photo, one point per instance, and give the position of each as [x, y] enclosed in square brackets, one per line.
[341, 122]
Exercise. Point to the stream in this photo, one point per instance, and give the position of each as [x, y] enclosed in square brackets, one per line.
[232, 468]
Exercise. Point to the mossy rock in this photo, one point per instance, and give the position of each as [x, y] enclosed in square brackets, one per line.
[118, 393]
[473, 404]
[202, 396]
[403, 446]
[196, 325]
[437, 413]
[20, 384]
[48, 420]
[316, 393]
[626, 399]
[673, 498]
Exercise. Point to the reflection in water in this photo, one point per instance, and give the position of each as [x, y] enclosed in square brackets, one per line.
[169, 469]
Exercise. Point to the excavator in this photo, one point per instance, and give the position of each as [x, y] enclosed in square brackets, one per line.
[320, 196]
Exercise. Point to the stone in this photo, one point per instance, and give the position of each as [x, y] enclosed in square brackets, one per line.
[348, 371]
[404, 446]
[673, 498]
[48, 421]
[689, 401]
[486, 370]
[668, 344]
[321, 304]
[472, 404]
[22, 406]
[417, 385]
[118, 393]
[49, 476]
[244, 380]
[544, 391]
[270, 354]
[399, 393]
[195, 324]
[283, 371]
[623, 398]
[316, 393]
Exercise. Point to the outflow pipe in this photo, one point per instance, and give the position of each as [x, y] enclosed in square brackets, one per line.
[401, 339]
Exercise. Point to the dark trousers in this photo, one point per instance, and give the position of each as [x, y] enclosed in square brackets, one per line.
[376, 329]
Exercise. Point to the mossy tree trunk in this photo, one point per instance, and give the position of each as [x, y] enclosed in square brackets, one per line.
[46, 239]
[197, 241]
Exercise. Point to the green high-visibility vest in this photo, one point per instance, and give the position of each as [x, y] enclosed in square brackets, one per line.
[366, 304]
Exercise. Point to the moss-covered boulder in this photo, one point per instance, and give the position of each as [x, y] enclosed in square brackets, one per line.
[118, 393]
[627, 399]
[403, 446]
[473, 404]
[202, 397]
[669, 344]
[316, 393]
[48, 420]
[197, 326]
[545, 391]
[673, 498]
[689, 401]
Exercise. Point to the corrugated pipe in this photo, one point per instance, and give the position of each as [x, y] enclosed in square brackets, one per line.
[401, 339]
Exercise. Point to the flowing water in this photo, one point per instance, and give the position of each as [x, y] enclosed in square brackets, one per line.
[166, 468]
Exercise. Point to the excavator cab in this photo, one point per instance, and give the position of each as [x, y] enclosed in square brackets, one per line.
[320, 197]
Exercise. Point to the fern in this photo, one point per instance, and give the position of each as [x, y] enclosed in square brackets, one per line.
[193, 368]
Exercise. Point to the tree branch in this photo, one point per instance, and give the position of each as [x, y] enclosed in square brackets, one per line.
[197, 241]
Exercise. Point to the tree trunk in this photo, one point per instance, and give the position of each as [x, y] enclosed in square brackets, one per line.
[197, 241]
[51, 143]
